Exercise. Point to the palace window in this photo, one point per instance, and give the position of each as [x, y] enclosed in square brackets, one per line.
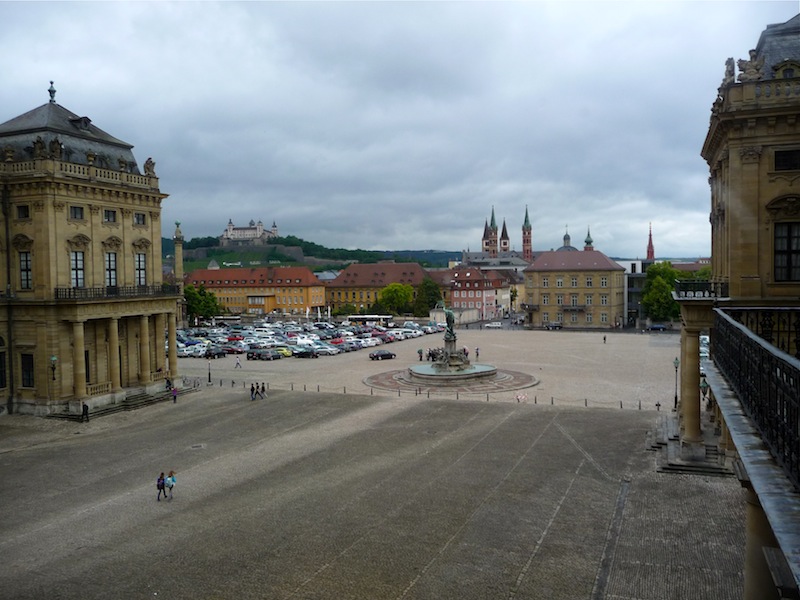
[26, 364]
[76, 213]
[140, 268]
[109, 216]
[604, 317]
[588, 317]
[787, 160]
[23, 211]
[25, 272]
[545, 299]
[574, 282]
[111, 269]
[559, 299]
[604, 299]
[560, 282]
[588, 299]
[588, 281]
[573, 300]
[139, 218]
[787, 252]
[76, 269]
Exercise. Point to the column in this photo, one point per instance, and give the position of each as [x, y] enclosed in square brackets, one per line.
[758, 584]
[78, 361]
[160, 358]
[690, 385]
[144, 349]
[113, 354]
[173, 347]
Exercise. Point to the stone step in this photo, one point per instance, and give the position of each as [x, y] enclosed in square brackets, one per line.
[132, 402]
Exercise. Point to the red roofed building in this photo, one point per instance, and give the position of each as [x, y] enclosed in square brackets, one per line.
[360, 284]
[574, 288]
[259, 291]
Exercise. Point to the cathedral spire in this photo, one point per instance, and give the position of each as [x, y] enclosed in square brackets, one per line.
[651, 252]
[493, 223]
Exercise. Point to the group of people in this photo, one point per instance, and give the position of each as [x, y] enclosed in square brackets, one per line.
[164, 484]
[255, 391]
[433, 354]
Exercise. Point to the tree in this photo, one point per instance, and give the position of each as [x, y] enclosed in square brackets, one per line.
[428, 294]
[200, 303]
[397, 297]
[345, 309]
[657, 299]
[703, 273]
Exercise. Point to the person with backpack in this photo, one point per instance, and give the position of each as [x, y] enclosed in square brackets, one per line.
[160, 487]
[169, 483]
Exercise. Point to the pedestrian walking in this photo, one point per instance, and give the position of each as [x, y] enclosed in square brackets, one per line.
[477, 353]
[263, 390]
[238, 364]
[84, 412]
[174, 394]
[252, 391]
[160, 487]
[169, 483]
[604, 339]
[419, 352]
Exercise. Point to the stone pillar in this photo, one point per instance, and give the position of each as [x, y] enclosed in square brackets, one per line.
[173, 347]
[160, 354]
[690, 385]
[758, 584]
[144, 349]
[78, 361]
[113, 354]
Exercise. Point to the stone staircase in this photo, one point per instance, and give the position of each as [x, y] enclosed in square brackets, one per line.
[664, 439]
[135, 399]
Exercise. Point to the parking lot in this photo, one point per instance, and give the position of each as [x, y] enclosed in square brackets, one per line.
[348, 495]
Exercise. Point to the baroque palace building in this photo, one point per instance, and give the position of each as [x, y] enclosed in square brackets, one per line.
[745, 399]
[570, 287]
[84, 311]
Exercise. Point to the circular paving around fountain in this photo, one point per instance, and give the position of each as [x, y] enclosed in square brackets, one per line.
[403, 380]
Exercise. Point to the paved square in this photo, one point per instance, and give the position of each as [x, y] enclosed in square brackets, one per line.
[331, 495]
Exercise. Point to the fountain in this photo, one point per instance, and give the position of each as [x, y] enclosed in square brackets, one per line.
[450, 365]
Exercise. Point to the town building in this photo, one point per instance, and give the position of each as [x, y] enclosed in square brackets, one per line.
[262, 290]
[359, 285]
[746, 401]
[84, 311]
[568, 287]
[253, 234]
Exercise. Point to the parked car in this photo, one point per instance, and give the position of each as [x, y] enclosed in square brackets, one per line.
[657, 327]
[381, 355]
[494, 325]
[553, 326]
[305, 352]
[282, 350]
[215, 352]
[328, 350]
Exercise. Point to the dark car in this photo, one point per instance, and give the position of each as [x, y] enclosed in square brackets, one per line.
[381, 355]
[553, 326]
[263, 354]
[305, 352]
[657, 327]
[215, 352]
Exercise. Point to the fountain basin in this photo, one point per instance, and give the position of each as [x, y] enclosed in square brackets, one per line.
[431, 375]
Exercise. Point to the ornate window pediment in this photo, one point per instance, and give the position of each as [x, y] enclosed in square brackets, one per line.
[22, 243]
[786, 207]
[142, 245]
[79, 242]
[787, 69]
[113, 243]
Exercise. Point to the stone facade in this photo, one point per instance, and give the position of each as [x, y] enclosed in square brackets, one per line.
[84, 310]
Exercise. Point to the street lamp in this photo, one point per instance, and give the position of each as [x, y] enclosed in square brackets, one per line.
[677, 363]
[53, 361]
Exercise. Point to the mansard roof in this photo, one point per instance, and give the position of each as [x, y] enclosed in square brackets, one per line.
[379, 275]
[580, 260]
[76, 135]
[778, 43]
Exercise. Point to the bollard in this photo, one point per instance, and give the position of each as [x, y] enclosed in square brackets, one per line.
[291, 387]
[456, 395]
[586, 402]
[640, 405]
[551, 401]
[398, 393]
[345, 390]
[371, 391]
[304, 387]
[233, 383]
[429, 393]
[487, 397]
[534, 399]
[620, 403]
[267, 386]
[318, 389]
[220, 383]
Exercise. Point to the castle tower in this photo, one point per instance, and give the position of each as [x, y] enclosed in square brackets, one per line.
[651, 252]
[527, 245]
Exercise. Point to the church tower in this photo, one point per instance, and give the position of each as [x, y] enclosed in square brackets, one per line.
[527, 246]
[490, 237]
[504, 243]
[651, 252]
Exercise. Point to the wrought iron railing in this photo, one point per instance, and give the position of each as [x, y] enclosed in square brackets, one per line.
[105, 293]
[779, 326]
[767, 384]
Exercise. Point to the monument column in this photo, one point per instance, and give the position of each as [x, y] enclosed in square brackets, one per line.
[690, 385]
[173, 347]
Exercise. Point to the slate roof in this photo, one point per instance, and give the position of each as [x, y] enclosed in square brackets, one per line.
[77, 136]
[777, 43]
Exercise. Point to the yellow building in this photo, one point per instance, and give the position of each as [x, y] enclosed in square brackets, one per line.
[84, 312]
[260, 291]
[568, 287]
[360, 284]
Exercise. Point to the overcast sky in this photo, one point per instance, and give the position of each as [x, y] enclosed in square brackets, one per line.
[389, 126]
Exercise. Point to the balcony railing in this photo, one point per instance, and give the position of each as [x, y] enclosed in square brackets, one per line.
[694, 288]
[525, 307]
[112, 292]
[766, 381]
[777, 326]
